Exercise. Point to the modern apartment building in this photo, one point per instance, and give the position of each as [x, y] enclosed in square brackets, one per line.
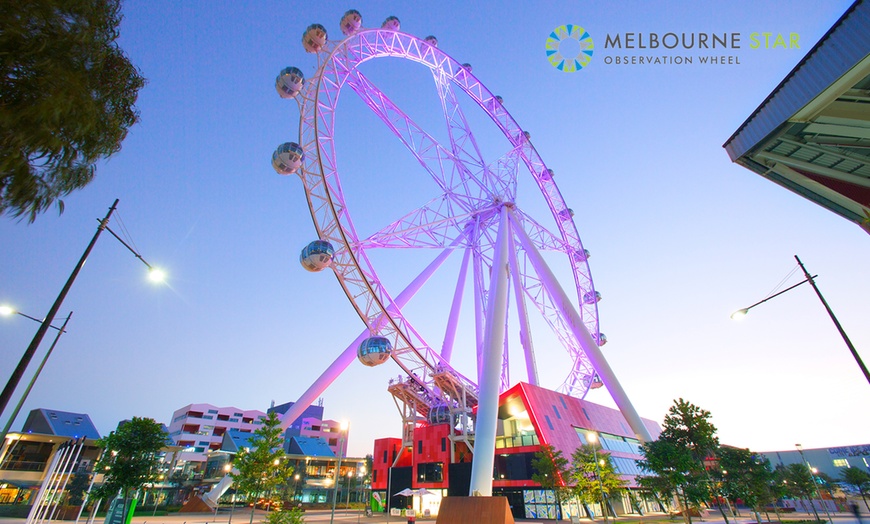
[200, 428]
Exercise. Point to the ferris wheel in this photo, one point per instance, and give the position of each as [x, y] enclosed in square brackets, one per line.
[473, 213]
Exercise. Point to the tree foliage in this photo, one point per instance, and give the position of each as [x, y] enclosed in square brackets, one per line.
[859, 480]
[747, 476]
[67, 95]
[130, 457]
[262, 468]
[588, 479]
[551, 471]
[688, 438]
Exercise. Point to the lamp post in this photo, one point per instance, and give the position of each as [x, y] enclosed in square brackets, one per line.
[60, 331]
[593, 438]
[347, 496]
[227, 468]
[815, 485]
[740, 313]
[49, 318]
[295, 487]
[341, 438]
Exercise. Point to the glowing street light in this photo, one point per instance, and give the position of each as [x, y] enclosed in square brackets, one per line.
[341, 437]
[12, 383]
[740, 313]
[6, 310]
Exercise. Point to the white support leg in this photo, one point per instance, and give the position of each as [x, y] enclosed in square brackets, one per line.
[455, 307]
[593, 352]
[478, 302]
[487, 410]
[523, 314]
[338, 366]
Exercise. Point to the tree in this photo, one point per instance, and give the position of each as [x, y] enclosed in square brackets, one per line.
[688, 438]
[858, 479]
[589, 478]
[671, 468]
[551, 472]
[77, 487]
[68, 93]
[130, 457]
[746, 476]
[261, 467]
[798, 482]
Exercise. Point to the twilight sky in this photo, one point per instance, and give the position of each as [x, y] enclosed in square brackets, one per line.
[680, 237]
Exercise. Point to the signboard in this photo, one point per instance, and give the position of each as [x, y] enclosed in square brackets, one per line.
[117, 513]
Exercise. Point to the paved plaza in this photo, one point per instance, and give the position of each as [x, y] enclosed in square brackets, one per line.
[354, 516]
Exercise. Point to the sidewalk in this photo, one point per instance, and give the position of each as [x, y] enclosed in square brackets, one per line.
[243, 517]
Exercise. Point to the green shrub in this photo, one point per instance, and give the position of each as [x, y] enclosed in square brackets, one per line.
[286, 516]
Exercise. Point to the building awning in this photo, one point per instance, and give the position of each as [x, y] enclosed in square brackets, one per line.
[811, 135]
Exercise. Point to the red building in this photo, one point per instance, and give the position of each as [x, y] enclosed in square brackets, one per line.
[529, 416]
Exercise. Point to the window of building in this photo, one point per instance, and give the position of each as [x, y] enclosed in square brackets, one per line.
[562, 400]
[374, 476]
[385, 456]
[547, 418]
[556, 411]
[419, 447]
[333, 442]
[238, 414]
[212, 412]
[443, 444]
[841, 463]
[513, 466]
[430, 471]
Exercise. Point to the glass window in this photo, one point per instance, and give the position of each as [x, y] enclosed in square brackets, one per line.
[430, 472]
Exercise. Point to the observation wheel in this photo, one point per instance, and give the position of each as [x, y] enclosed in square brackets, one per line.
[474, 212]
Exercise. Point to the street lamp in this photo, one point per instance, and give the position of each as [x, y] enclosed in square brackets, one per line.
[593, 438]
[341, 436]
[296, 487]
[813, 472]
[49, 318]
[740, 313]
[6, 310]
[227, 468]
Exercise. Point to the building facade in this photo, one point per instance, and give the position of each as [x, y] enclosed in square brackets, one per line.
[28, 457]
[529, 417]
[200, 428]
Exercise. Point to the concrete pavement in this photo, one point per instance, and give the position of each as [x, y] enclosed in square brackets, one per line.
[353, 516]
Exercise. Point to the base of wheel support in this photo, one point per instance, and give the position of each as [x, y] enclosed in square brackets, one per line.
[474, 510]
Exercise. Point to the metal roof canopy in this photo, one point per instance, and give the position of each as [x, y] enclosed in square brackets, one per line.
[811, 135]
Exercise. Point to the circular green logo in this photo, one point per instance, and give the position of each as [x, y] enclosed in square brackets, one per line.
[569, 48]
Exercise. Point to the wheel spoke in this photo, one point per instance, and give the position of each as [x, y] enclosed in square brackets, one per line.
[449, 172]
[430, 226]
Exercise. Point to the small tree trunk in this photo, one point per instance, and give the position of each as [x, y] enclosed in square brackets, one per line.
[719, 504]
[685, 506]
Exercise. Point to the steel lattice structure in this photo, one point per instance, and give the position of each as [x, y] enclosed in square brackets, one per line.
[474, 212]
[472, 191]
